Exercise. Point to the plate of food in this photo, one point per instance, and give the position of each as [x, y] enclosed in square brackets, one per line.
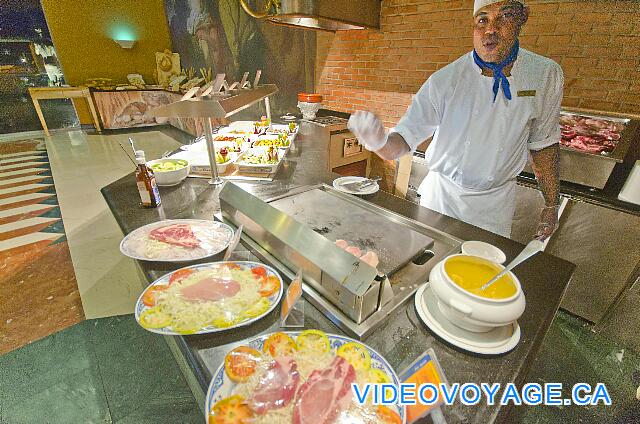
[259, 160]
[261, 126]
[281, 141]
[235, 145]
[177, 240]
[288, 129]
[199, 160]
[299, 377]
[237, 131]
[208, 298]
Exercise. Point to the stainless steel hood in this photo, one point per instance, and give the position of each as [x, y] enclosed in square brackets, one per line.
[327, 15]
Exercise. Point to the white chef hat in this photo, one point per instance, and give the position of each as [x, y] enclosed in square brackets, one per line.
[479, 4]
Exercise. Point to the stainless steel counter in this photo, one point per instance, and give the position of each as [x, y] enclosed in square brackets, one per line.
[402, 337]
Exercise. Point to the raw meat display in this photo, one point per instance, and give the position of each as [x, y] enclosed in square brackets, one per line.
[590, 135]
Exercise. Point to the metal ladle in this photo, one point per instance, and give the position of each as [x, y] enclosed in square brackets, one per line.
[529, 250]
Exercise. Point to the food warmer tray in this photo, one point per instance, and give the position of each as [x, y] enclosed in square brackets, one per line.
[589, 169]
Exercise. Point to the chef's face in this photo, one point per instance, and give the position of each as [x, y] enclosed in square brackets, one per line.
[496, 28]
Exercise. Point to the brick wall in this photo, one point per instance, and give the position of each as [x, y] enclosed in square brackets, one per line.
[597, 43]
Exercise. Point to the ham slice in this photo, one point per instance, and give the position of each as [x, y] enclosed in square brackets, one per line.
[325, 394]
[354, 250]
[342, 244]
[370, 258]
[210, 290]
[176, 234]
[276, 387]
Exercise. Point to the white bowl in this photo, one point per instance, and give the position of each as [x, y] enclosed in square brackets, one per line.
[170, 178]
[470, 312]
[484, 250]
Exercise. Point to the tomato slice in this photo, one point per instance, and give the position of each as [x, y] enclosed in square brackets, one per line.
[279, 344]
[231, 410]
[259, 271]
[241, 362]
[356, 354]
[154, 318]
[386, 415]
[180, 275]
[269, 286]
[313, 341]
[149, 297]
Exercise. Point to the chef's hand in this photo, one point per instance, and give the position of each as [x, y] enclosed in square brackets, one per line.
[548, 222]
[368, 130]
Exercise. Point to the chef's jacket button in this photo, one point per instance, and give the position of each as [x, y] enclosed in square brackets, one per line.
[490, 179]
[475, 112]
[501, 149]
[467, 143]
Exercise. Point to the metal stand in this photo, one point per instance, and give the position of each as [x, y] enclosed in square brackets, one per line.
[267, 106]
[211, 152]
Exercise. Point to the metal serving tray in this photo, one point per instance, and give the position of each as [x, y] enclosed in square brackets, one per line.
[589, 169]
[347, 290]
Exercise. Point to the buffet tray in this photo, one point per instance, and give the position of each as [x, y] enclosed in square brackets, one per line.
[589, 169]
[620, 151]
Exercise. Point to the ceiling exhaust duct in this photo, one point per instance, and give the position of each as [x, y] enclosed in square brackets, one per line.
[326, 15]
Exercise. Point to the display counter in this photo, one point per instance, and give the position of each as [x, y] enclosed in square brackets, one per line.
[402, 337]
[120, 109]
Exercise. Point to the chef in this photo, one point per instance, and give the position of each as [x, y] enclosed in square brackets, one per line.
[487, 112]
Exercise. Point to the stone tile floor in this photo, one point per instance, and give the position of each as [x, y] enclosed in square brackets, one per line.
[104, 370]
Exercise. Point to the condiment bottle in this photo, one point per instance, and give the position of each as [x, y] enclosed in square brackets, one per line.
[146, 181]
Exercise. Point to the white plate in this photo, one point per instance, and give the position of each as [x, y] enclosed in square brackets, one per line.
[274, 299]
[495, 342]
[215, 237]
[338, 182]
[200, 162]
[221, 386]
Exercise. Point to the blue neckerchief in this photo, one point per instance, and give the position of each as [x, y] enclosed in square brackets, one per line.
[497, 71]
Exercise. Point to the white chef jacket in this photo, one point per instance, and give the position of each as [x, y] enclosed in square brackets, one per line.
[478, 146]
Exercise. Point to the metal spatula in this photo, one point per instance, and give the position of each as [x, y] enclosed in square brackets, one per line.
[529, 250]
[359, 185]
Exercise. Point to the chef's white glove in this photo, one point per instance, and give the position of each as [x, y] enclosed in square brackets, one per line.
[368, 129]
[548, 222]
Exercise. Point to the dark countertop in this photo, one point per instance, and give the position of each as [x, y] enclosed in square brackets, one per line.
[403, 337]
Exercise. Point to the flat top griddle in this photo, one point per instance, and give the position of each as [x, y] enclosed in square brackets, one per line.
[336, 218]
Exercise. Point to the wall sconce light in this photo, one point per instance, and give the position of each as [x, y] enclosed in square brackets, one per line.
[125, 44]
